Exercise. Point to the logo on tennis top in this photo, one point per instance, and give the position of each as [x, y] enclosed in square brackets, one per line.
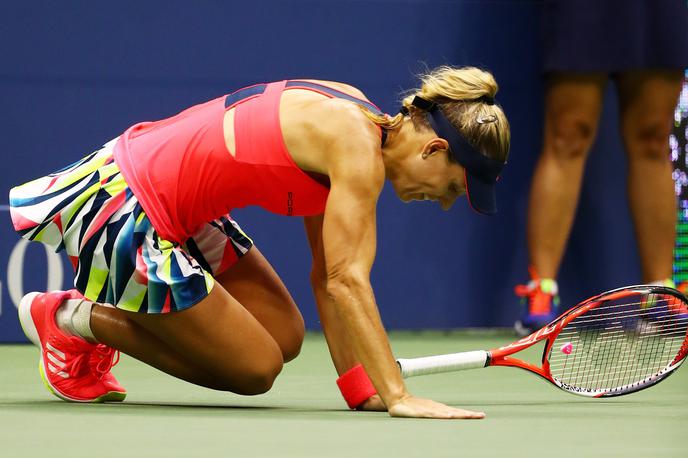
[290, 203]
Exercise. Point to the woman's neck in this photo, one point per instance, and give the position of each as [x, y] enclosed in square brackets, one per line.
[401, 143]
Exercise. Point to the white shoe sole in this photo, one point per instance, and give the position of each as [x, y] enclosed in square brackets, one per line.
[26, 320]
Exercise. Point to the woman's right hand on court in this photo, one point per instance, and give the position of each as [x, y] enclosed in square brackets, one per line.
[413, 407]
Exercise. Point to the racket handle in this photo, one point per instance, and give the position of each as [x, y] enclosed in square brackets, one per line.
[442, 363]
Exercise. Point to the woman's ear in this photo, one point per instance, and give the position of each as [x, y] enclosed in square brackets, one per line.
[433, 146]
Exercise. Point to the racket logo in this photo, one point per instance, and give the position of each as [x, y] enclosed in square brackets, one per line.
[575, 389]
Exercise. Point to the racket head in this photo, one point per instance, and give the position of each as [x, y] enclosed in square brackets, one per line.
[618, 342]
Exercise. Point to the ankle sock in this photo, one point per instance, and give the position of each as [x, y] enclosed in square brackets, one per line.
[74, 318]
[549, 286]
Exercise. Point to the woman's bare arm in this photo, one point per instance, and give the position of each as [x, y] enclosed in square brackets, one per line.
[349, 243]
[354, 165]
[341, 352]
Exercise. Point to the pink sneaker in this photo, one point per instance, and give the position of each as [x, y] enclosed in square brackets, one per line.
[72, 368]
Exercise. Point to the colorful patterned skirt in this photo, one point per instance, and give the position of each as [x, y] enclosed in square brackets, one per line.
[88, 210]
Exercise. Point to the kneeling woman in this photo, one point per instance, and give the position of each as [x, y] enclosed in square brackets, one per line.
[165, 275]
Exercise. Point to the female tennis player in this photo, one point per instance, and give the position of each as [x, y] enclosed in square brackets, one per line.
[162, 273]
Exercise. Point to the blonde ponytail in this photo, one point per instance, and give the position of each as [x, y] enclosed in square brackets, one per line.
[463, 94]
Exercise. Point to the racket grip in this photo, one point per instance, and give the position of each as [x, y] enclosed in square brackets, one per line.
[442, 363]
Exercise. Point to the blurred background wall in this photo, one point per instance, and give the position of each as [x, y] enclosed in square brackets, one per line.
[76, 74]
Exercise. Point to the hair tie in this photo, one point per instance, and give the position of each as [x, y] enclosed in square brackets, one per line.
[403, 110]
[488, 99]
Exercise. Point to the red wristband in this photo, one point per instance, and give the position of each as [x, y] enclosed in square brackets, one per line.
[355, 386]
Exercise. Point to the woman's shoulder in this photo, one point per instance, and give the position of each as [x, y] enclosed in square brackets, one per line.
[320, 131]
[343, 87]
[332, 133]
[328, 121]
[344, 126]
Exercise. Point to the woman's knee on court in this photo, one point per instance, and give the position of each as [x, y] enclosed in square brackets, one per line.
[569, 136]
[259, 379]
[254, 376]
[258, 370]
[290, 344]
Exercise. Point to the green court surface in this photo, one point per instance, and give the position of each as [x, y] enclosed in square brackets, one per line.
[304, 416]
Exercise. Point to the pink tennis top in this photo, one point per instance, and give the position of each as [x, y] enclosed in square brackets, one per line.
[181, 172]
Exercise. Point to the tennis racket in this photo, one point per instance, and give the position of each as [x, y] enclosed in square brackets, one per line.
[616, 343]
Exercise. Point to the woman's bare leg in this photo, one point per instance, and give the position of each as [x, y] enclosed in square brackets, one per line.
[252, 284]
[256, 285]
[115, 328]
[572, 109]
[647, 101]
[216, 343]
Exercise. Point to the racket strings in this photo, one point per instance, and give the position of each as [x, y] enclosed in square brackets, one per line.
[624, 371]
[640, 305]
[620, 345]
[668, 328]
[627, 360]
[631, 362]
[619, 375]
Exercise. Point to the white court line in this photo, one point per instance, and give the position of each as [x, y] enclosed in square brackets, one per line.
[4, 207]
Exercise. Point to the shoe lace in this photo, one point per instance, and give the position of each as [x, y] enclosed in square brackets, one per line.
[76, 365]
[538, 301]
[525, 291]
[106, 358]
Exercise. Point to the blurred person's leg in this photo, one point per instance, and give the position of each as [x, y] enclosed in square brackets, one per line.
[647, 100]
[573, 103]
[572, 109]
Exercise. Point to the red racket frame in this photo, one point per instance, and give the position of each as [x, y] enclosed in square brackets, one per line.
[502, 356]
